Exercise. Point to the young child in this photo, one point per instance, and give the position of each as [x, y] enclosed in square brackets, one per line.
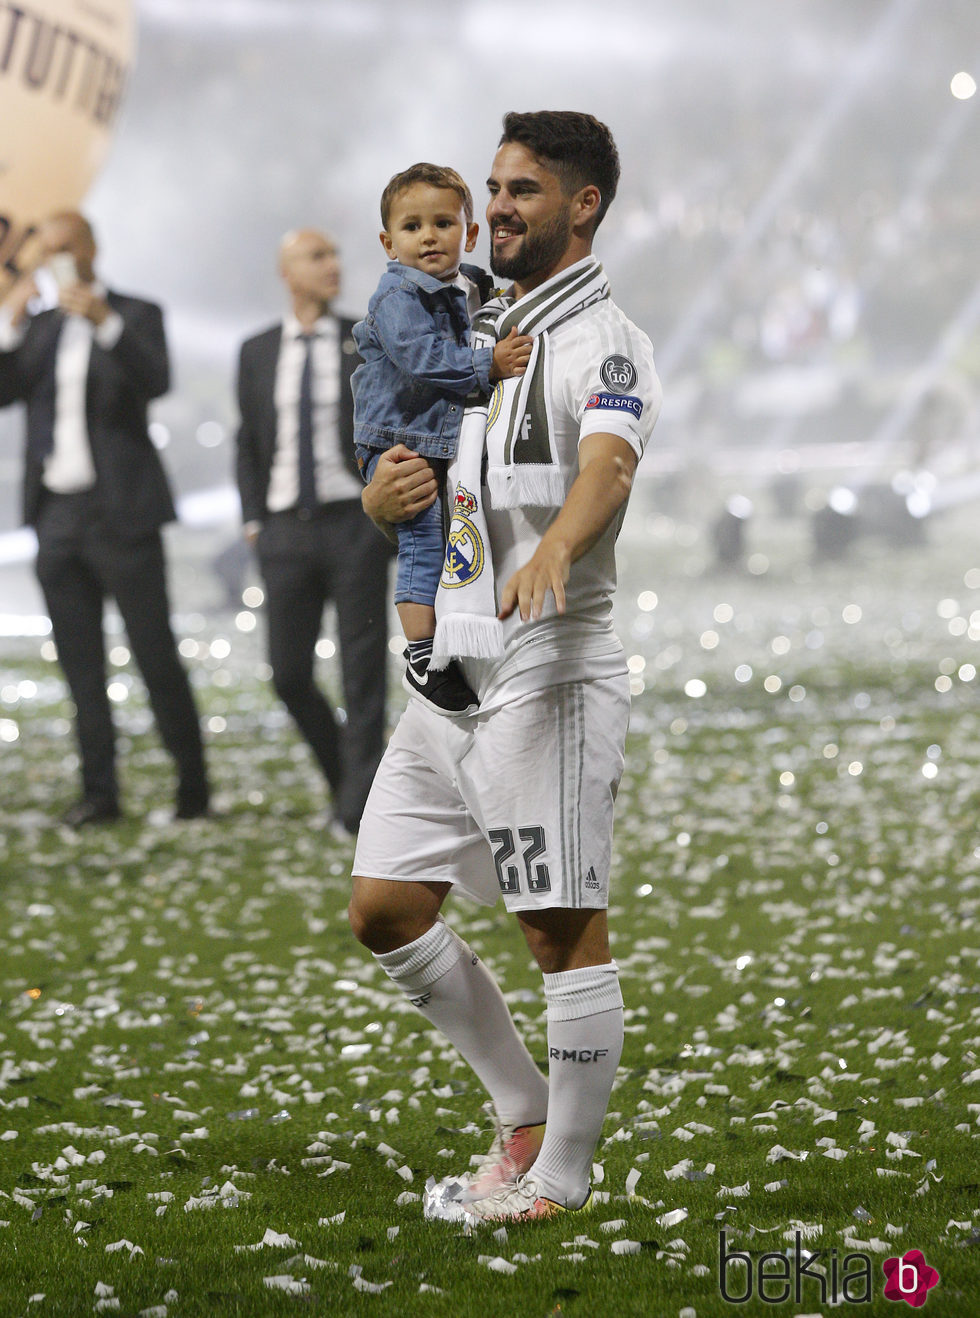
[416, 374]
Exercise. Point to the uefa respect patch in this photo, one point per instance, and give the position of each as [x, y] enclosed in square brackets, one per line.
[616, 403]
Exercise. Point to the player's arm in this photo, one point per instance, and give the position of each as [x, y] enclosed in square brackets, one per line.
[606, 464]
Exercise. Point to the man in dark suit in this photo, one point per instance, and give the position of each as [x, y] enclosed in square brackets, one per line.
[96, 493]
[301, 505]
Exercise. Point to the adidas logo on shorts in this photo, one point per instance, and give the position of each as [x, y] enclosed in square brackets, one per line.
[590, 879]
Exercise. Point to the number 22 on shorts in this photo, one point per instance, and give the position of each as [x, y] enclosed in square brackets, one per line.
[504, 849]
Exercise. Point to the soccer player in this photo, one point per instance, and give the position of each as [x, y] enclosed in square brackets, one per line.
[518, 799]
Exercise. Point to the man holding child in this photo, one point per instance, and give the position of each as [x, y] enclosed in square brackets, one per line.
[517, 797]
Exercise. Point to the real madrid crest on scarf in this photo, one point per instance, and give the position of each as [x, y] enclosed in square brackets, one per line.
[465, 551]
[466, 603]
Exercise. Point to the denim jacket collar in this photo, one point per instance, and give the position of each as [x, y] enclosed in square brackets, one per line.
[429, 283]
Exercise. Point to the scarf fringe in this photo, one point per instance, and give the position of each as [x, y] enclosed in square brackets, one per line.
[471, 635]
[526, 485]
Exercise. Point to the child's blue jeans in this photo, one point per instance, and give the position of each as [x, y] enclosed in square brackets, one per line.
[421, 544]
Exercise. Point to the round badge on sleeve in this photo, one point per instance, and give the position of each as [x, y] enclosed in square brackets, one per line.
[618, 374]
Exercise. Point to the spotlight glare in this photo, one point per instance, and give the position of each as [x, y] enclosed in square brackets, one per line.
[739, 506]
[963, 85]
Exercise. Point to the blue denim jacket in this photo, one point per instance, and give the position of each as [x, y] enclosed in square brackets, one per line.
[417, 366]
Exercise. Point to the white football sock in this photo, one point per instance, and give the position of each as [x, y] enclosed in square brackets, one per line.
[585, 1040]
[453, 990]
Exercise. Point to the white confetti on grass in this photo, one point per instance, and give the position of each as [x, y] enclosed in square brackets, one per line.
[580, 1242]
[872, 1246]
[805, 1230]
[118, 1246]
[270, 1240]
[289, 1284]
[497, 1264]
[625, 1247]
[778, 1154]
[678, 1169]
[672, 1218]
[368, 1287]
[309, 1261]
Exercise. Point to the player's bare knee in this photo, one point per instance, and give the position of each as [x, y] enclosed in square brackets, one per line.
[383, 920]
[566, 939]
[368, 923]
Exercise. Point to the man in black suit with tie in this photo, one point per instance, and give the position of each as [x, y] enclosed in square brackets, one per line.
[301, 506]
[96, 493]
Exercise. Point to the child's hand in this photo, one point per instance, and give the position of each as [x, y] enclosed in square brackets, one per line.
[510, 355]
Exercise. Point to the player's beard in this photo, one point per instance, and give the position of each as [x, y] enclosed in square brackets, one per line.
[541, 248]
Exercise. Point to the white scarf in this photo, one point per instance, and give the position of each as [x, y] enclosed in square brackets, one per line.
[513, 432]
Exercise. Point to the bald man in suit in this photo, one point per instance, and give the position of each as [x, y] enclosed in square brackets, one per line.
[97, 495]
[300, 490]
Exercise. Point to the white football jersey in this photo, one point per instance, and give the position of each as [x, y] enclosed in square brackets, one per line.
[602, 380]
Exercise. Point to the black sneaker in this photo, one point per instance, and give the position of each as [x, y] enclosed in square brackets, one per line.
[444, 688]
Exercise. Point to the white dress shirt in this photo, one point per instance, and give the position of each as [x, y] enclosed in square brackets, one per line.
[69, 467]
[473, 299]
[334, 479]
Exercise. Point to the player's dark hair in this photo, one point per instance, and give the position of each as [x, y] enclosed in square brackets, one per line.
[437, 176]
[575, 146]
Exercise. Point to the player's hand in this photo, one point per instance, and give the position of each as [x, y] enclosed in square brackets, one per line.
[510, 355]
[403, 485]
[82, 300]
[526, 591]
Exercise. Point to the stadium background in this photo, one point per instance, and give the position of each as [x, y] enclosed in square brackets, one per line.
[796, 230]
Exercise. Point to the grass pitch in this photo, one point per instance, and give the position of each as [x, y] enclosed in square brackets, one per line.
[212, 1103]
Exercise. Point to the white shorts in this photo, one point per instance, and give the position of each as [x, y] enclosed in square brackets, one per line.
[517, 801]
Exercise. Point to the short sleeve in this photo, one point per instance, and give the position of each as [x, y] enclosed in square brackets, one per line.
[614, 385]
